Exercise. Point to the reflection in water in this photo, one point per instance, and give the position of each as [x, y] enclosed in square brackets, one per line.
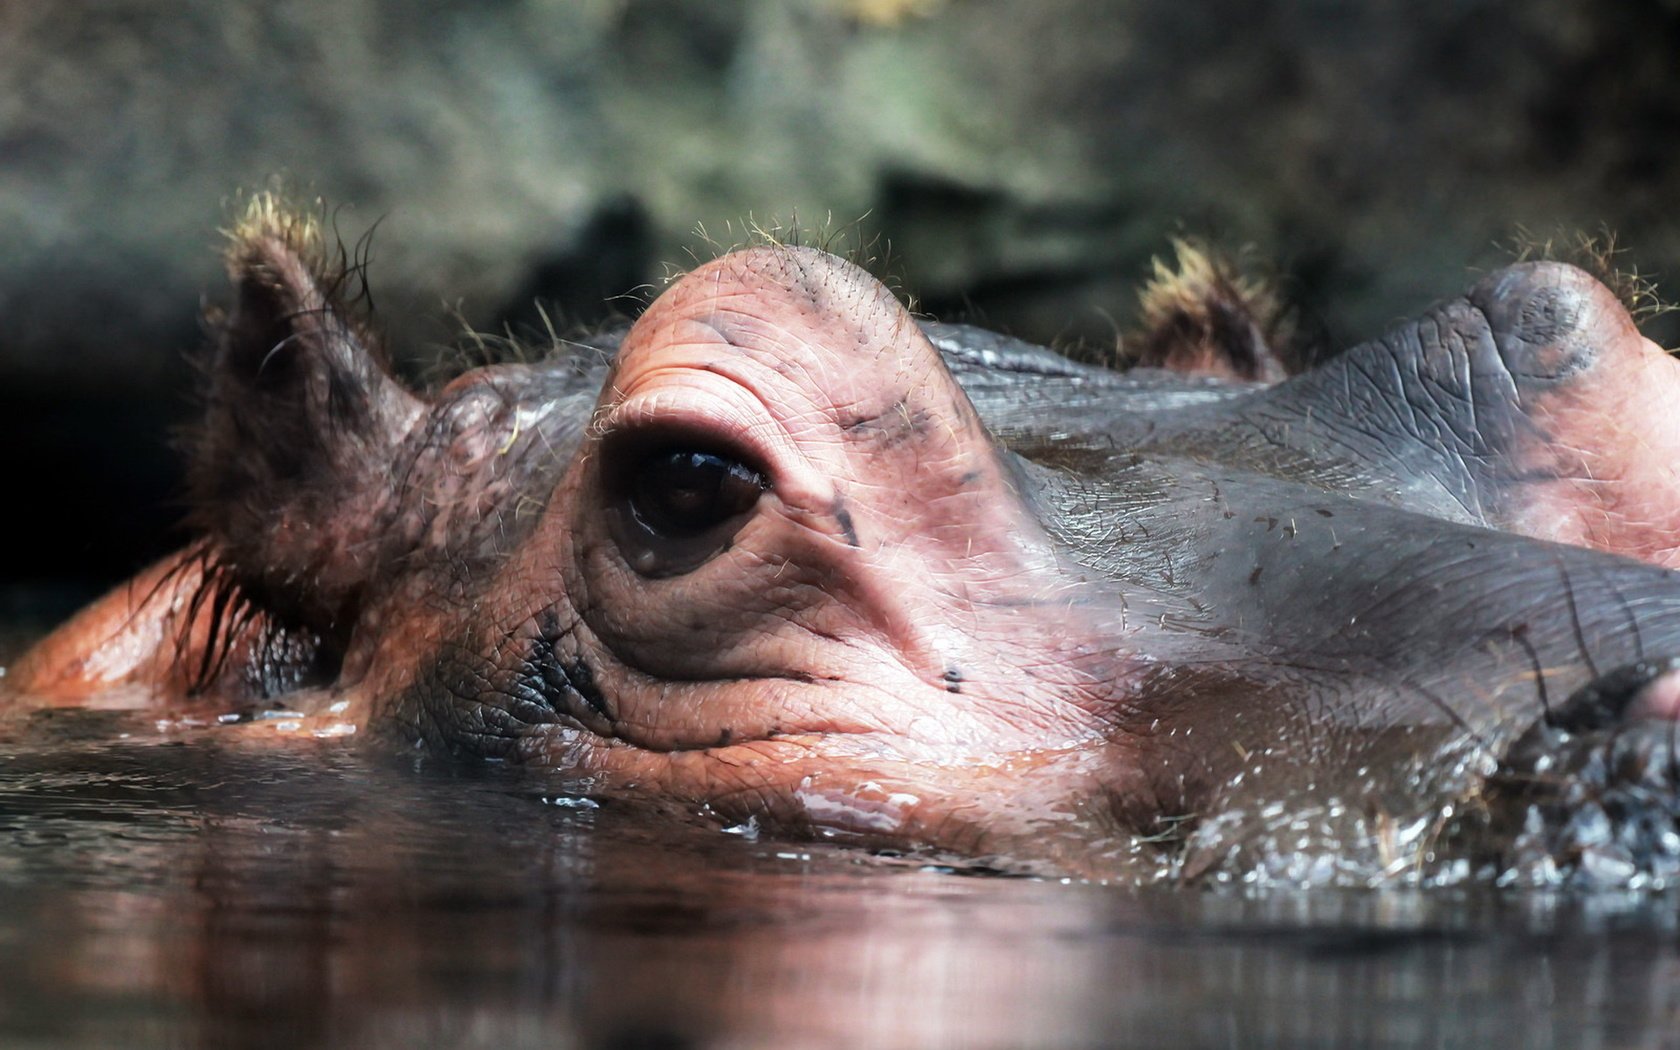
[180, 891]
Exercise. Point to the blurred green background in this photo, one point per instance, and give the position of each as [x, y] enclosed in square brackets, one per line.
[1023, 161]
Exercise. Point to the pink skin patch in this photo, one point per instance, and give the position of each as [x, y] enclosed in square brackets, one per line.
[1659, 700]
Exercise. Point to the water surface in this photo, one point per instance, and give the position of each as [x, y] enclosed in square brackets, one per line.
[167, 886]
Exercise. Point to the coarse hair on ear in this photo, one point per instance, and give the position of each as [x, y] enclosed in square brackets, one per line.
[289, 469]
[1202, 314]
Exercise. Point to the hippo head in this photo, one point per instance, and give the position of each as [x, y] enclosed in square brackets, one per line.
[781, 568]
[780, 553]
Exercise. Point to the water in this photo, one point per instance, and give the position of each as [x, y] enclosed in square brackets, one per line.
[180, 889]
[173, 890]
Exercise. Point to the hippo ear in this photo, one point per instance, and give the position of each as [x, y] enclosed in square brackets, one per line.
[302, 420]
[1203, 316]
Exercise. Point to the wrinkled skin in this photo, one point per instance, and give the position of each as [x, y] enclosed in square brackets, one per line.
[778, 553]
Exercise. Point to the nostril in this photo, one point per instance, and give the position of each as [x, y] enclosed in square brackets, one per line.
[1649, 689]
[1551, 321]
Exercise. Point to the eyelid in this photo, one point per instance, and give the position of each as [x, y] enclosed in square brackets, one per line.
[708, 411]
[624, 452]
[704, 416]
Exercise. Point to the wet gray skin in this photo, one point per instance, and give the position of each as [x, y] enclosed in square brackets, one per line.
[1068, 619]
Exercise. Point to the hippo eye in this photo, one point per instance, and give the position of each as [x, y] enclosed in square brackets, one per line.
[684, 492]
[671, 509]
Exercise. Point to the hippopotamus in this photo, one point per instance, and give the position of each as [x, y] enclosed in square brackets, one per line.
[783, 556]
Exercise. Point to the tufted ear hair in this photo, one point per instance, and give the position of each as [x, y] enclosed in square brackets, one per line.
[1204, 316]
[290, 469]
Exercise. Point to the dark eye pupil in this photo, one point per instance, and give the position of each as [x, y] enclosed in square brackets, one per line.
[684, 492]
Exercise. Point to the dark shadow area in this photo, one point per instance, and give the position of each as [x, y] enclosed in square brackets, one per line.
[103, 489]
